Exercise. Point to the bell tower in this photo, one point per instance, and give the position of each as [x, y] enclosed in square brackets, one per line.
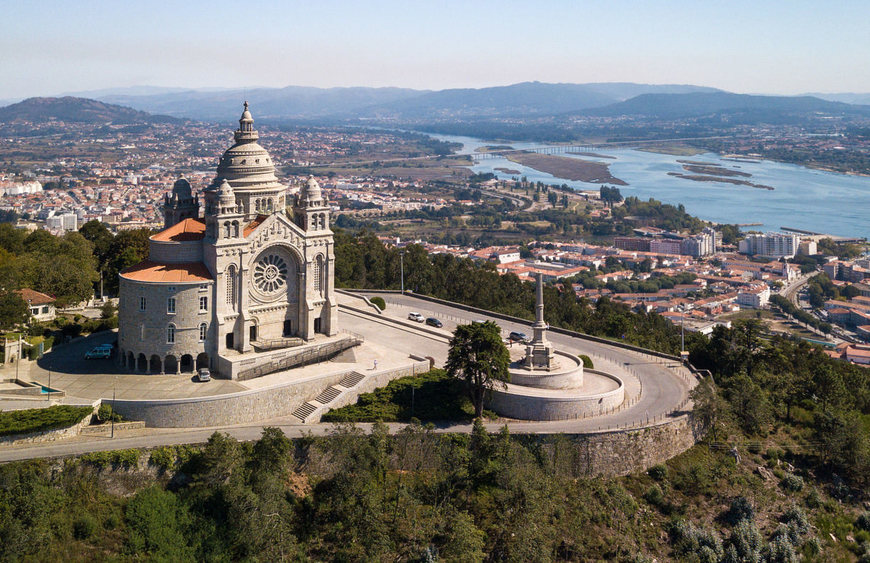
[180, 204]
[311, 211]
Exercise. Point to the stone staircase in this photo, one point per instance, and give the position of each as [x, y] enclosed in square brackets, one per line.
[307, 409]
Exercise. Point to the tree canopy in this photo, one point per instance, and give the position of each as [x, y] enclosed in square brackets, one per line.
[479, 357]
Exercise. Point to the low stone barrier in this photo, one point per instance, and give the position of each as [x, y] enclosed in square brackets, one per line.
[241, 407]
[106, 428]
[557, 405]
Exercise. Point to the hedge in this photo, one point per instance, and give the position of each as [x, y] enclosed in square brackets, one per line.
[38, 420]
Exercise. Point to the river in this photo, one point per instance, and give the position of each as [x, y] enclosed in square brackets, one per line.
[803, 198]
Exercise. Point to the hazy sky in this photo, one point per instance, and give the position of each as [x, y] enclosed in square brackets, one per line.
[49, 47]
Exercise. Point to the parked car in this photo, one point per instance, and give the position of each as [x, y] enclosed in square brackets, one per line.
[432, 321]
[414, 316]
[518, 337]
[98, 353]
[203, 375]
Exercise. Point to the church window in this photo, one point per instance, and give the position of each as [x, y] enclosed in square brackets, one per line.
[142, 303]
[203, 304]
[203, 332]
[141, 332]
[170, 305]
[231, 287]
[270, 274]
[235, 228]
[227, 229]
[170, 334]
[318, 274]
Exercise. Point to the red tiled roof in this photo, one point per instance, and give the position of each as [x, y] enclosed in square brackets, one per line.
[189, 229]
[34, 297]
[149, 271]
[253, 225]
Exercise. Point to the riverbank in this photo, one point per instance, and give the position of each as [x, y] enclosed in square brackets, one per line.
[574, 169]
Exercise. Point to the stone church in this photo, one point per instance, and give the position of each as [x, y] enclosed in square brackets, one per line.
[256, 269]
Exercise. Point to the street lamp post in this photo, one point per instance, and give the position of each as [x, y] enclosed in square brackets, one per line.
[402, 268]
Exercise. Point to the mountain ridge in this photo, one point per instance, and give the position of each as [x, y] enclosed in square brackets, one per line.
[76, 110]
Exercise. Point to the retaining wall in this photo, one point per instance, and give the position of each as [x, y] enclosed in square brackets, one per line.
[241, 407]
[622, 452]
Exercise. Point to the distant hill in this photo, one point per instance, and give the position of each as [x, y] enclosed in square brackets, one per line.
[268, 104]
[846, 97]
[298, 102]
[675, 106]
[517, 100]
[75, 110]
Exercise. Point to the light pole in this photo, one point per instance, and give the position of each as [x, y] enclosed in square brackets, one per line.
[402, 268]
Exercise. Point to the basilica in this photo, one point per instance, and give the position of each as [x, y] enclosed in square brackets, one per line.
[253, 271]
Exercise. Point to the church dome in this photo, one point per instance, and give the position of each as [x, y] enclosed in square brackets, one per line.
[310, 194]
[181, 189]
[246, 165]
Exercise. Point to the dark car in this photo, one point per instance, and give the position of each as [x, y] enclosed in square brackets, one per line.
[518, 337]
[432, 321]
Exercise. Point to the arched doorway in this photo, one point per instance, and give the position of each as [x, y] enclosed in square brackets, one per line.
[186, 363]
[141, 362]
[155, 365]
[170, 364]
[131, 365]
[202, 361]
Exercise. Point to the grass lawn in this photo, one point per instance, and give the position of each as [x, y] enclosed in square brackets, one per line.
[435, 396]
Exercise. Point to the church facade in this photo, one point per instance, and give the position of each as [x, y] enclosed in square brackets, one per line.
[255, 268]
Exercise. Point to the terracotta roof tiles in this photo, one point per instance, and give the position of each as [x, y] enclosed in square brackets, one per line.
[149, 271]
[187, 230]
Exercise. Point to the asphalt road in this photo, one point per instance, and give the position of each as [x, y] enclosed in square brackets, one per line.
[665, 387]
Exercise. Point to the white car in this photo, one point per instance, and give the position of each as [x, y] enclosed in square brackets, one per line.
[414, 316]
[203, 375]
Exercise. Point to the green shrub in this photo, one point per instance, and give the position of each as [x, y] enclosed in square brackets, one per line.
[813, 500]
[587, 361]
[654, 495]
[658, 472]
[156, 520]
[797, 524]
[379, 302]
[863, 521]
[792, 482]
[84, 527]
[740, 509]
[39, 420]
[163, 458]
[105, 413]
[116, 459]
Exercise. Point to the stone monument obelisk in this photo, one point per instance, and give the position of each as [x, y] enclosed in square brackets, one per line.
[539, 352]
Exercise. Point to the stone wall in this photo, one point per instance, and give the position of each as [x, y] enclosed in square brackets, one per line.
[516, 402]
[239, 408]
[622, 452]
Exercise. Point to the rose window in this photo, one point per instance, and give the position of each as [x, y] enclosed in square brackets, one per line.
[270, 273]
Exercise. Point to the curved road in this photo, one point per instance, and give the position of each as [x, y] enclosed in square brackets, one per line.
[656, 389]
